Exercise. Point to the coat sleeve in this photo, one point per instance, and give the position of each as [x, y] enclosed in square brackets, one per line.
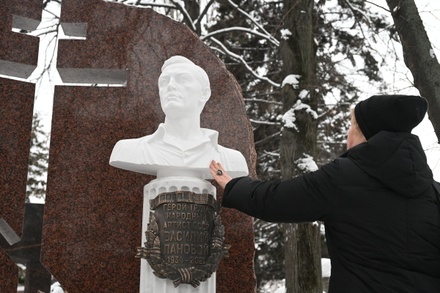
[302, 199]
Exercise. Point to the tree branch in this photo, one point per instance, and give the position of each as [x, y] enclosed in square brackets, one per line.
[186, 15]
[250, 18]
[242, 29]
[239, 58]
[203, 13]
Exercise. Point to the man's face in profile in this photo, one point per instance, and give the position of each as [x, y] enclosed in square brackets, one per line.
[180, 91]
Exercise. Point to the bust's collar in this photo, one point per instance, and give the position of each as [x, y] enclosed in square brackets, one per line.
[209, 135]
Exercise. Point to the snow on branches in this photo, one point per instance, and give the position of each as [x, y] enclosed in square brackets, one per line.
[306, 164]
[289, 117]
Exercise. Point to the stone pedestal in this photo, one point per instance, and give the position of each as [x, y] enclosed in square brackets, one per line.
[149, 283]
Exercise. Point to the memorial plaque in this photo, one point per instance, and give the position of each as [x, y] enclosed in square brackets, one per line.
[184, 237]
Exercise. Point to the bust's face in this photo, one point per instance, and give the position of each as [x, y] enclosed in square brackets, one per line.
[180, 91]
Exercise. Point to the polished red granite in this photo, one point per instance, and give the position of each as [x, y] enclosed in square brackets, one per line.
[93, 211]
[17, 47]
[8, 274]
[16, 104]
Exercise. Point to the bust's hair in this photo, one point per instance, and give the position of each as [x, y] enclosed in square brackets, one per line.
[198, 71]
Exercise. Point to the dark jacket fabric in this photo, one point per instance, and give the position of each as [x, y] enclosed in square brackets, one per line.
[379, 209]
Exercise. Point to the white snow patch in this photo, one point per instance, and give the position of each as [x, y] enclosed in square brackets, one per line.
[285, 34]
[56, 288]
[432, 53]
[326, 267]
[306, 163]
[301, 106]
[277, 286]
[261, 71]
[37, 200]
[303, 94]
[289, 117]
[291, 79]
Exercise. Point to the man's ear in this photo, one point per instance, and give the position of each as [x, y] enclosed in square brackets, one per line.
[206, 94]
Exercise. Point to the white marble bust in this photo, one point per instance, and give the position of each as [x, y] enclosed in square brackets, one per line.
[179, 146]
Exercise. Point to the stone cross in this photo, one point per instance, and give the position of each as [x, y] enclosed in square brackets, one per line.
[46, 76]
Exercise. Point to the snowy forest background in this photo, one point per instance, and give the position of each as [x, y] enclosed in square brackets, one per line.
[301, 65]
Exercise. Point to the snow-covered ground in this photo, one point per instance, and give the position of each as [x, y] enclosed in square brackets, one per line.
[278, 286]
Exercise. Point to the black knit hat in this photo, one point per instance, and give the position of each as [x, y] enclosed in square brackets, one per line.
[395, 113]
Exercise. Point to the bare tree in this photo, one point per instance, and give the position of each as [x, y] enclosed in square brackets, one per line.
[418, 55]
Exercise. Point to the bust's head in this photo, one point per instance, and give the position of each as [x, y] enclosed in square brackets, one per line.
[183, 87]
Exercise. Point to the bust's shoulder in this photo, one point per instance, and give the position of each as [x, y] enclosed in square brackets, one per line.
[129, 149]
[133, 154]
[233, 161]
[132, 142]
[233, 154]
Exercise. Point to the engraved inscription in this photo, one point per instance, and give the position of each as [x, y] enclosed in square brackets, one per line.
[186, 232]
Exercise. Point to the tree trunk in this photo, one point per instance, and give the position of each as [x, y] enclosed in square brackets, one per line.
[302, 246]
[193, 9]
[418, 55]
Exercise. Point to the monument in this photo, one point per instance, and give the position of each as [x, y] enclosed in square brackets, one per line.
[179, 146]
[93, 211]
[183, 230]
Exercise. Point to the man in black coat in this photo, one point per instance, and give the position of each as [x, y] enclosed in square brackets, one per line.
[377, 202]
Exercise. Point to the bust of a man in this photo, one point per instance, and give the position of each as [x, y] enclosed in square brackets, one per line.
[179, 146]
